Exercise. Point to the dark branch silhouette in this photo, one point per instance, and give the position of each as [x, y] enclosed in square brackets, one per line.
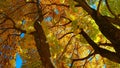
[103, 52]
[105, 26]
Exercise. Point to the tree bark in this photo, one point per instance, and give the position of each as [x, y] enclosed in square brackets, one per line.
[105, 25]
[103, 52]
[40, 39]
[42, 46]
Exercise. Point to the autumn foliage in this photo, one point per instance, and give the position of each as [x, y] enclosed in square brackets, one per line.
[60, 33]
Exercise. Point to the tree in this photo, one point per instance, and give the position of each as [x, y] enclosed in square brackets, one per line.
[105, 25]
[61, 33]
[41, 46]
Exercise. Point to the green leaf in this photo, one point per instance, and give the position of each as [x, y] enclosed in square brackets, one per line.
[74, 25]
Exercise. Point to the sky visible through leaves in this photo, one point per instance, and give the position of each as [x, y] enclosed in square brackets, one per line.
[67, 29]
[19, 61]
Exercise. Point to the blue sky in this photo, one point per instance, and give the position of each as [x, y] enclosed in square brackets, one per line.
[48, 19]
[93, 6]
[22, 35]
[23, 21]
[18, 61]
[56, 11]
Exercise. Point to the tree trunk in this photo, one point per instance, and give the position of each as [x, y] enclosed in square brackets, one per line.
[42, 46]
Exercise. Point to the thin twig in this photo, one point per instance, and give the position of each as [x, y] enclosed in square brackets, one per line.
[8, 36]
[64, 35]
[74, 60]
[30, 13]
[65, 49]
[105, 44]
[57, 5]
[106, 1]
[98, 7]
[55, 25]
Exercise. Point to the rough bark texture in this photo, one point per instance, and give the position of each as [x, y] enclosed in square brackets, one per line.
[42, 46]
[106, 27]
[40, 39]
[103, 52]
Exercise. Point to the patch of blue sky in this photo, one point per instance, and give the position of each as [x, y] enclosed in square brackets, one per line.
[56, 11]
[22, 35]
[23, 21]
[93, 6]
[19, 61]
[89, 51]
[90, 59]
[48, 19]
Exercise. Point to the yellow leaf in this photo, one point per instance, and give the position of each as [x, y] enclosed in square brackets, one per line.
[72, 17]
[30, 29]
[12, 62]
[62, 1]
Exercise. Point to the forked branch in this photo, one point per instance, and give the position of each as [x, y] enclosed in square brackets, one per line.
[103, 52]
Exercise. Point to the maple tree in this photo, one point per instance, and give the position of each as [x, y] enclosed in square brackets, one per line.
[60, 33]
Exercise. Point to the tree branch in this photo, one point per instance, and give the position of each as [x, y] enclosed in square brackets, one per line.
[105, 44]
[30, 13]
[103, 52]
[106, 1]
[74, 60]
[8, 36]
[4, 30]
[64, 35]
[98, 7]
[55, 25]
[65, 49]
[84, 5]
[57, 5]
[105, 25]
